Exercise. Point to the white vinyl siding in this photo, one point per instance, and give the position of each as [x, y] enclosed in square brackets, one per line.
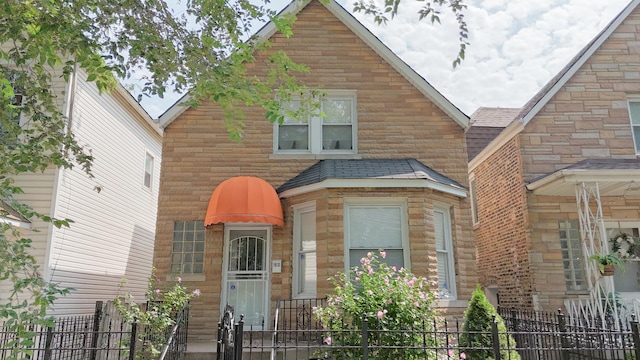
[334, 132]
[305, 261]
[572, 255]
[113, 233]
[376, 224]
[444, 253]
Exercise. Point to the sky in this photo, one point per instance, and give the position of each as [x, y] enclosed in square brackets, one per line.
[516, 46]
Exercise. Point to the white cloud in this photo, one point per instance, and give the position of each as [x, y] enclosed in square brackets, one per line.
[516, 46]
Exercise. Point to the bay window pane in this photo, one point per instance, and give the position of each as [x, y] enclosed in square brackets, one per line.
[375, 227]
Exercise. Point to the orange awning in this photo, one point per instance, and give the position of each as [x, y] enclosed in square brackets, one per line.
[244, 199]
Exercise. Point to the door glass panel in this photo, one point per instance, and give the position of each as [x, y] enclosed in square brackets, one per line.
[247, 275]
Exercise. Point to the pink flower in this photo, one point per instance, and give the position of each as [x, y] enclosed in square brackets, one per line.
[196, 292]
[356, 279]
[179, 279]
[370, 270]
[451, 353]
[381, 313]
[394, 268]
[369, 254]
[328, 340]
[157, 291]
[153, 313]
[383, 254]
[417, 304]
[370, 292]
[463, 356]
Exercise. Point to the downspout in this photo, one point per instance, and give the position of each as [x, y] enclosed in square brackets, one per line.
[67, 112]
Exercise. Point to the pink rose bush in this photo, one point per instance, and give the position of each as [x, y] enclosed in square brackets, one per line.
[392, 300]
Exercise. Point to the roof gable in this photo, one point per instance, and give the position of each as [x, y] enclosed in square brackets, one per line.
[540, 99]
[368, 38]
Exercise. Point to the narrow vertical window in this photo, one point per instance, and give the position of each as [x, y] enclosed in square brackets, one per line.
[305, 263]
[474, 200]
[572, 258]
[444, 253]
[148, 171]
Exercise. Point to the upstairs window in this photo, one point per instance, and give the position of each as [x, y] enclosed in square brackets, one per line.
[10, 87]
[331, 130]
[634, 114]
[148, 171]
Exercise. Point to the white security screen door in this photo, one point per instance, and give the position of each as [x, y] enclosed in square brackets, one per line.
[247, 274]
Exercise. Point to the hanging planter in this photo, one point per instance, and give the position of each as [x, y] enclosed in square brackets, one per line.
[608, 270]
[607, 263]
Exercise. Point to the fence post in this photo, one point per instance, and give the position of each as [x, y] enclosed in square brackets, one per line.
[365, 337]
[133, 339]
[635, 335]
[97, 318]
[47, 343]
[239, 334]
[496, 338]
[562, 327]
[219, 345]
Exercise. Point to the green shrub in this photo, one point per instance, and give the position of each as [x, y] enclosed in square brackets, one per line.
[390, 299]
[476, 340]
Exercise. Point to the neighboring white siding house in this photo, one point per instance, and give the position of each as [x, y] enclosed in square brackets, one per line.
[114, 213]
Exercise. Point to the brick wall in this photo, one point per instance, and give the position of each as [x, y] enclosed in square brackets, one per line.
[394, 121]
[587, 118]
[501, 234]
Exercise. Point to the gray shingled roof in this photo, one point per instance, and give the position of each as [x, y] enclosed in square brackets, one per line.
[598, 164]
[486, 124]
[366, 169]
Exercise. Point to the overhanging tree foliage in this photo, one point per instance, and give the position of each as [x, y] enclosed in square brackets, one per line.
[201, 47]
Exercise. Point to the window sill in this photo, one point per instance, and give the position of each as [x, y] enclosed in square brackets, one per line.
[452, 303]
[186, 277]
[281, 156]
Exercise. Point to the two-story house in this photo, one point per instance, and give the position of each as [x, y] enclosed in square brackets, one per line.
[114, 212]
[275, 215]
[558, 182]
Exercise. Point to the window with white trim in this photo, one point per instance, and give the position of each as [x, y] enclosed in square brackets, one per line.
[304, 262]
[332, 130]
[444, 253]
[634, 115]
[11, 85]
[148, 171]
[187, 251]
[572, 256]
[376, 224]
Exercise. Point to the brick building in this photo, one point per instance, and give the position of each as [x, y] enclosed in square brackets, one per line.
[556, 181]
[274, 215]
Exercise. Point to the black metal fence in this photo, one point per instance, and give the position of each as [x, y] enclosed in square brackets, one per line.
[101, 336]
[528, 336]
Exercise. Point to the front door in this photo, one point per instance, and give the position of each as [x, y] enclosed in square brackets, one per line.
[246, 285]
